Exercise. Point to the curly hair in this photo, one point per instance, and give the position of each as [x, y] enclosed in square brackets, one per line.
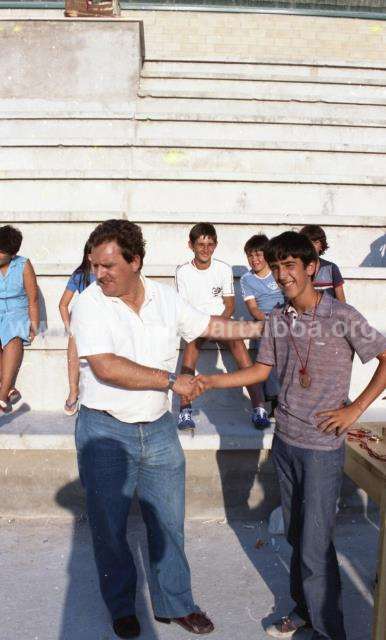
[127, 235]
[10, 239]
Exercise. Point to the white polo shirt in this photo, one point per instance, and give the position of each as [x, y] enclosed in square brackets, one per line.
[103, 324]
[205, 288]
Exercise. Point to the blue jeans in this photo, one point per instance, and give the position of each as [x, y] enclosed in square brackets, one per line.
[310, 484]
[115, 459]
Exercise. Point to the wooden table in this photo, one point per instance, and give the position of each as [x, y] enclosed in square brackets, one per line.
[370, 474]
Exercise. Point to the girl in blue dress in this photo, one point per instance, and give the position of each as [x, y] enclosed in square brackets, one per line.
[19, 312]
[78, 282]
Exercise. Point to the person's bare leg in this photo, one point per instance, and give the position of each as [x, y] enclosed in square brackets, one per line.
[73, 371]
[189, 362]
[12, 358]
[243, 360]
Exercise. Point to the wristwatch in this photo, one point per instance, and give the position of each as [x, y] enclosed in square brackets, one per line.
[171, 380]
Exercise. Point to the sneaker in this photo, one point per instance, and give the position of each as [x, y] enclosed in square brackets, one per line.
[286, 627]
[260, 418]
[185, 420]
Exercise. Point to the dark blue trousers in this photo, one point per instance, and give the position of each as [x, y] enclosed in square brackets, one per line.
[310, 483]
[115, 460]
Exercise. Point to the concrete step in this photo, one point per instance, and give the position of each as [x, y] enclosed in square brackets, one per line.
[63, 243]
[191, 217]
[108, 133]
[271, 72]
[43, 375]
[364, 289]
[254, 90]
[76, 77]
[157, 163]
[263, 111]
[229, 470]
[38, 459]
[109, 198]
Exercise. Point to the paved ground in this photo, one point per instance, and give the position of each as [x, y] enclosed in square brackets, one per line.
[48, 588]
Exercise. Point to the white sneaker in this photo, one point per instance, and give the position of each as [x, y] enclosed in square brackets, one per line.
[286, 627]
[185, 420]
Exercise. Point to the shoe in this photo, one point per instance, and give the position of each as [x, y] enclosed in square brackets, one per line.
[71, 408]
[286, 627]
[5, 407]
[260, 418]
[127, 627]
[14, 396]
[197, 622]
[185, 420]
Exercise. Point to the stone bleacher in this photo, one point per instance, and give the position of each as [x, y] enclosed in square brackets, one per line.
[88, 132]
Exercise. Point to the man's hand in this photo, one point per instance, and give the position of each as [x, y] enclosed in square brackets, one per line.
[185, 385]
[339, 420]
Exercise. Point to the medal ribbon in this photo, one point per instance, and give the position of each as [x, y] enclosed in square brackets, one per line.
[304, 367]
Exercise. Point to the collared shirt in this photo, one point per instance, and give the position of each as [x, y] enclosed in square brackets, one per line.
[205, 288]
[104, 324]
[264, 290]
[337, 333]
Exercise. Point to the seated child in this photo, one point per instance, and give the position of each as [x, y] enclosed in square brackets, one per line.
[19, 312]
[207, 283]
[261, 295]
[327, 276]
[78, 281]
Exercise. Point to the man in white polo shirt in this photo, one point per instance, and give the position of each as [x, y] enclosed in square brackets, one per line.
[126, 329]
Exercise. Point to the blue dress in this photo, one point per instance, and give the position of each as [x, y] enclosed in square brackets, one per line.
[77, 282]
[14, 317]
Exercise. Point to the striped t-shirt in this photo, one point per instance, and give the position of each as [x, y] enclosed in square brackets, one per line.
[327, 277]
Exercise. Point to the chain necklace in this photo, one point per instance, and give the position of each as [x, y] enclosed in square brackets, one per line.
[304, 377]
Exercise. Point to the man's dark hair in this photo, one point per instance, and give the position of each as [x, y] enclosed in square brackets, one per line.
[290, 243]
[256, 243]
[127, 235]
[314, 232]
[10, 239]
[205, 229]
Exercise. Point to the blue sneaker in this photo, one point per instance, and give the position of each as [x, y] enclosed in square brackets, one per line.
[260, 418]
[185, 420]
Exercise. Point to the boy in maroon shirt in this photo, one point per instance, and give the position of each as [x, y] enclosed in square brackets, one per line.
[312, 342]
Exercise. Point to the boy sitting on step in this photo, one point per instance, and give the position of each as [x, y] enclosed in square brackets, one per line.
[327, 275]
[261, 295]
[207, 283]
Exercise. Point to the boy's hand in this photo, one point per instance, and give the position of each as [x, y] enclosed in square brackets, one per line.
[338, 420]
[204, 383]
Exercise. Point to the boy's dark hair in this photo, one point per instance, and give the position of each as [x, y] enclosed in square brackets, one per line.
[10, 239]
[314, 232]
[256, 243]
[205, 229]
[290, 243]
[85, 266]
[127, 235]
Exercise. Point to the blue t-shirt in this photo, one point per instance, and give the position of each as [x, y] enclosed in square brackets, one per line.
[77, 283]
[265, 291]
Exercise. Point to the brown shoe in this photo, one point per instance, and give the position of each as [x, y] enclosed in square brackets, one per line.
[196, 622]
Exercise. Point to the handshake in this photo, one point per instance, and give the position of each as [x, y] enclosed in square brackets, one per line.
[192, 386]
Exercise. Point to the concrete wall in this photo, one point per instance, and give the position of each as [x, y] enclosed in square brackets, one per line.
[195, 35]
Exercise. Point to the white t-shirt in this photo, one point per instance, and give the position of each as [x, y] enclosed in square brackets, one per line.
[104, 324]
[205, 288]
